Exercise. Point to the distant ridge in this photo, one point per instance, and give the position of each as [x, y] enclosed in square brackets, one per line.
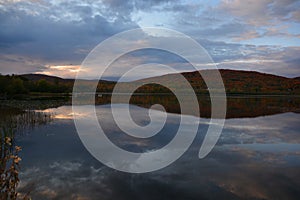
[37, 77]
[235, 81]
[52, 79]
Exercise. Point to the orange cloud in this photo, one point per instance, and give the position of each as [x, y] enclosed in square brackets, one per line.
[64, 71]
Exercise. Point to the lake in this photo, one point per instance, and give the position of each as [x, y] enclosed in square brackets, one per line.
[256, 157]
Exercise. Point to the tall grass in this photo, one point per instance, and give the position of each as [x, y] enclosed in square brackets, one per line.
[14, 122]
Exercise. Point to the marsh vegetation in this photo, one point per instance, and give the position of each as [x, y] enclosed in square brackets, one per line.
[13, 123]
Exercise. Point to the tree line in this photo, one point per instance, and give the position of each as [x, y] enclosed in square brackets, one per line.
[13, 84]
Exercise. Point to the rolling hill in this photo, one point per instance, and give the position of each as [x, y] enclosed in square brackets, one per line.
[235, 81]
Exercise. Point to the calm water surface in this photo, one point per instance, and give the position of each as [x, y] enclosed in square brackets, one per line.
[255, 158]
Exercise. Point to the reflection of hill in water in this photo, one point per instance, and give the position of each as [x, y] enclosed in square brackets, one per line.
[237, 107]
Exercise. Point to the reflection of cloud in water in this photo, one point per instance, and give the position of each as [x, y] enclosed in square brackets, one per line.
[64, 112]
[256, 158]
[65, 180]
[237, 174]
[275, 124]
[281, 128]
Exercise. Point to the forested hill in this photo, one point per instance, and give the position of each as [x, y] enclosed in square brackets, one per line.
[40, 83]
[235, 81]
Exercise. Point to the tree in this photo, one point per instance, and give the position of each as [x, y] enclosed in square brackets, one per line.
[43, 86]
[16, 86]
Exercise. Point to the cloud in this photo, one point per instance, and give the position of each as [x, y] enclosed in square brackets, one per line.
[233, 20]
[20, 64]
[268, 59]
[36, 34]
[54, 32]
[263, 18]
[261, 13]
[66, 71]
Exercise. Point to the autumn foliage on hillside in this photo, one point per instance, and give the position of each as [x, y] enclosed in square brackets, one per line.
[235, 82]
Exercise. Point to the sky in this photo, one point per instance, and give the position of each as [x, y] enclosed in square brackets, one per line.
[54, 37]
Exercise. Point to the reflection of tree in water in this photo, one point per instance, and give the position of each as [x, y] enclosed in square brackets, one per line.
[12, 122]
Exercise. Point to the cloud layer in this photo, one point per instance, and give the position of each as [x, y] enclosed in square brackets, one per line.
[257, 35]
